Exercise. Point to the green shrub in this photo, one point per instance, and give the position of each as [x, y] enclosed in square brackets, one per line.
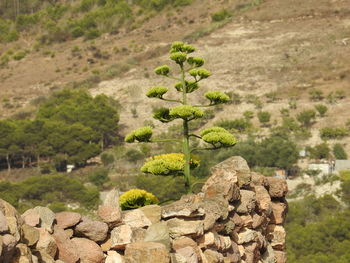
[333, 133]
[306, 117]
[220, 15]
[19, 55]
[237, 124]
[107, 158]
[339, 152]
[320, 151]
[99, 177]
[134, 155]
[264, 117]
[92, 33]
[322, 109]
[77, 32]
[136, 198]
[316, 94]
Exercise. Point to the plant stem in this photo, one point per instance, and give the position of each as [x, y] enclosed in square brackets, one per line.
[186, 137]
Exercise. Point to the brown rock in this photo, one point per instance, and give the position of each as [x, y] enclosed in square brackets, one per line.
[67, 251]
[278, 214]
[31, 217]
[246, 236]
[67, 219]
[277, 187]
[112, 198]
[247, 202]
[233, 254]
[187, 254]
[259, 221]
[46, 243]
[30, 235]
[138, 234]
[224, 179]
[105, 246]
[184, 242]
[281, 256]
[213, 256]
[252, 253]
[180, 227]
[8, 248]
[258, 179]
[263, 200]
[43, 257]
[276, 234]
[121, 236]
[23, 254]
[69, 232]
[238, 222]
[110, 214]
[152, 212]
[146, 252]
[182, 208]
[136, 219]
[3, 223]
[92, 229]
[88, 251]
[247, 220]
[114, 257]
[14, 220]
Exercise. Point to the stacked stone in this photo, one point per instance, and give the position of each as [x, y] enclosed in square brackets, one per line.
[237, 217]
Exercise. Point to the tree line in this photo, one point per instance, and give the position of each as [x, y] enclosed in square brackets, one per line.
[69, 128]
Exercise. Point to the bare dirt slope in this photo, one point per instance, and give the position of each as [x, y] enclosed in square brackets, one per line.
[284, 46]
[289, 46]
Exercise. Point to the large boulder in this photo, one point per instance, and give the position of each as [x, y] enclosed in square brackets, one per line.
[121, 236]
[31, 217]
[46, 216]
[136, 219]
[158, 232]
[146, 252]
[277, 187]
[181, 227]
[67, 250]
[46, 243]
[92, 229]
[247, 202]
[12, 220]
[110, 214]
[30, 235]
[3, 223]
[88, 251]
[67, 219]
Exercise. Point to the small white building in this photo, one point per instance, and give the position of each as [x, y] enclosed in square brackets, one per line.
[341, 165]
[323, 168]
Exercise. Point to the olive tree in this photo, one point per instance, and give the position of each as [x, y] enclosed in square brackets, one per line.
[187, 79]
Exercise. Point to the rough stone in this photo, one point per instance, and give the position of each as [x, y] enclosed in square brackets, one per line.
[213, 256]
[158, 232]
[252, 253]
[247, 220]
[110, 214]
[247, 202]
[258, 179]
[112, 198]
[46, 243]
[276, 234]
[121, 236]
[278, 214]
[106, 245]
[152, 212]
[31, 217]
[114, 257]
[43, 257]
[146, 252]
[263, 200]
[138, 234]
[92, 229]
[8, 247]
[67, 219]
[188, 254]
[246, 235]
[277, 187]
[47, 217]
[136, 219]
[88, 251]
[23, 254]
[180, 227]
[269, 255]
[13, 219]
[184, 242]
[30, 235]
[67, 251]
[182, 209]
[281, 256]
[3, 223]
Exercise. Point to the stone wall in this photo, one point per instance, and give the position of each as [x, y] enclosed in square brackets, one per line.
[237, 217]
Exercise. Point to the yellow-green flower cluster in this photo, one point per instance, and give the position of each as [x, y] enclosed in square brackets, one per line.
[218, 137]
[162, 70]
[195, 61]
[156, 92]
[162, 114]
[186, 112]
[217, 97]
[179, 46]
[167, 164]
[142, 134]
[201, 73]
[136, 198]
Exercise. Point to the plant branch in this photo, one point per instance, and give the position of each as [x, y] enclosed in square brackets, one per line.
[205, 149]
[164, 140]
[172, 77]
[195, 135]
[179, 101]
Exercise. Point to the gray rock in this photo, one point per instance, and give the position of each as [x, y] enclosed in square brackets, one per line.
[30, 235]
[158, 232]
[247, 202]
[47, 217]
[146, 252]
[180, 227]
